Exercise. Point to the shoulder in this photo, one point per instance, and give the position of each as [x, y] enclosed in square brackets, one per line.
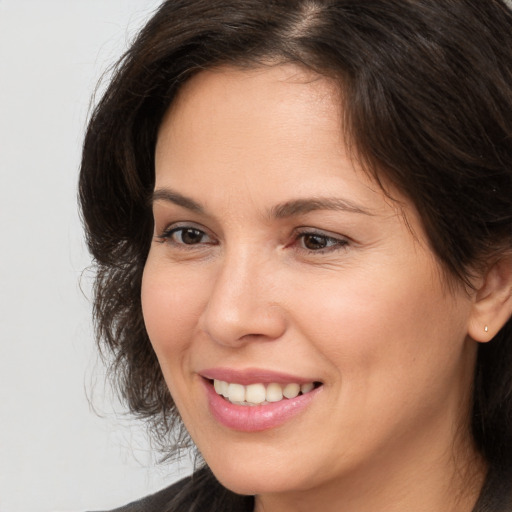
[158, 501]
[496, 495]
[200, 492]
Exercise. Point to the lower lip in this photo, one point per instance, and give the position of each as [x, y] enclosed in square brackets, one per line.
[247, 418]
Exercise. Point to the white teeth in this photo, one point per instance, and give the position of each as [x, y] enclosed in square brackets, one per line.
[306, 388]
[223, 388]
[217, 384]
[258, 394]
[255, 393]
[236, 393]
[291, 390]
[274, 393]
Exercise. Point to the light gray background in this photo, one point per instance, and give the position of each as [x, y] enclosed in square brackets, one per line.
[55, 454]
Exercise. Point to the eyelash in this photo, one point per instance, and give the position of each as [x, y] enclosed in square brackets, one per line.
[168, 236]
[331, 244]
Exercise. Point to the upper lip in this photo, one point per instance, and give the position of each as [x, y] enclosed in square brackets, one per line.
[253, 376]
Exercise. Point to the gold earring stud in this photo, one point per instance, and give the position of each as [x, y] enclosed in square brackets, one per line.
[486, 329]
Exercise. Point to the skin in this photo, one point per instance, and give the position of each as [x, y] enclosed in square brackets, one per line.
[370, 315]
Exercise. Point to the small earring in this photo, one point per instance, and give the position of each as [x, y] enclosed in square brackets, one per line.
[486, 329]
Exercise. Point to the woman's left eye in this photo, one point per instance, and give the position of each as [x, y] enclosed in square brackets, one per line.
[318, 242]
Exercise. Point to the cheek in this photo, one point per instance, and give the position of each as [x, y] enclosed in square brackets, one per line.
[375, 329]
[171, 306]
[396, 352]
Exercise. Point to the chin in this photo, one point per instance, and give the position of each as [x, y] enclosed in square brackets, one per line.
[259, 477]
[248, 483]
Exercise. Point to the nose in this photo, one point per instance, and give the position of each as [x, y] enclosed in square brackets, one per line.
[243, 303]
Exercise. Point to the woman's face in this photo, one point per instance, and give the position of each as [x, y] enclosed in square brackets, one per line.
[276, 263]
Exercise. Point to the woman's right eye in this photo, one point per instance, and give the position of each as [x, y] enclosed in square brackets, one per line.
[185, 236]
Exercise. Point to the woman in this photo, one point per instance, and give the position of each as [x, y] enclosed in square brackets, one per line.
[302, 222]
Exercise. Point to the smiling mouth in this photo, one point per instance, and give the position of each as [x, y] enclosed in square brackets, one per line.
[259, 393]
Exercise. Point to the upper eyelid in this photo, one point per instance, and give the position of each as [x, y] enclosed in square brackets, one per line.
[320, 232]
[175, 229]
[173, 226]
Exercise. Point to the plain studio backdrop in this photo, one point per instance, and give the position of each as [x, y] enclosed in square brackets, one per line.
[55, 453]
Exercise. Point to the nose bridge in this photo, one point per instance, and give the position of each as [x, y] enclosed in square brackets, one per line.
[242, 304]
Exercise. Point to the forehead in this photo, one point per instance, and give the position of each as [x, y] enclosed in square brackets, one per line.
[237, 103]
[273, 131]
[290, 85]
[246, 118]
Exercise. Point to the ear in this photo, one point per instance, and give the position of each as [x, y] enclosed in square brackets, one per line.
[493, 301]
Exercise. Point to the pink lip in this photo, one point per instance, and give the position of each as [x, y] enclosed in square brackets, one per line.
[252, 376]
[244, 418]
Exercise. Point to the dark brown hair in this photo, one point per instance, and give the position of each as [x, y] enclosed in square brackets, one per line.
[427, 97]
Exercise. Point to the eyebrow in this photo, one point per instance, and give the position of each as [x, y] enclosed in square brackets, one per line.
[168, 195]
[279, 211]
[303, 206]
